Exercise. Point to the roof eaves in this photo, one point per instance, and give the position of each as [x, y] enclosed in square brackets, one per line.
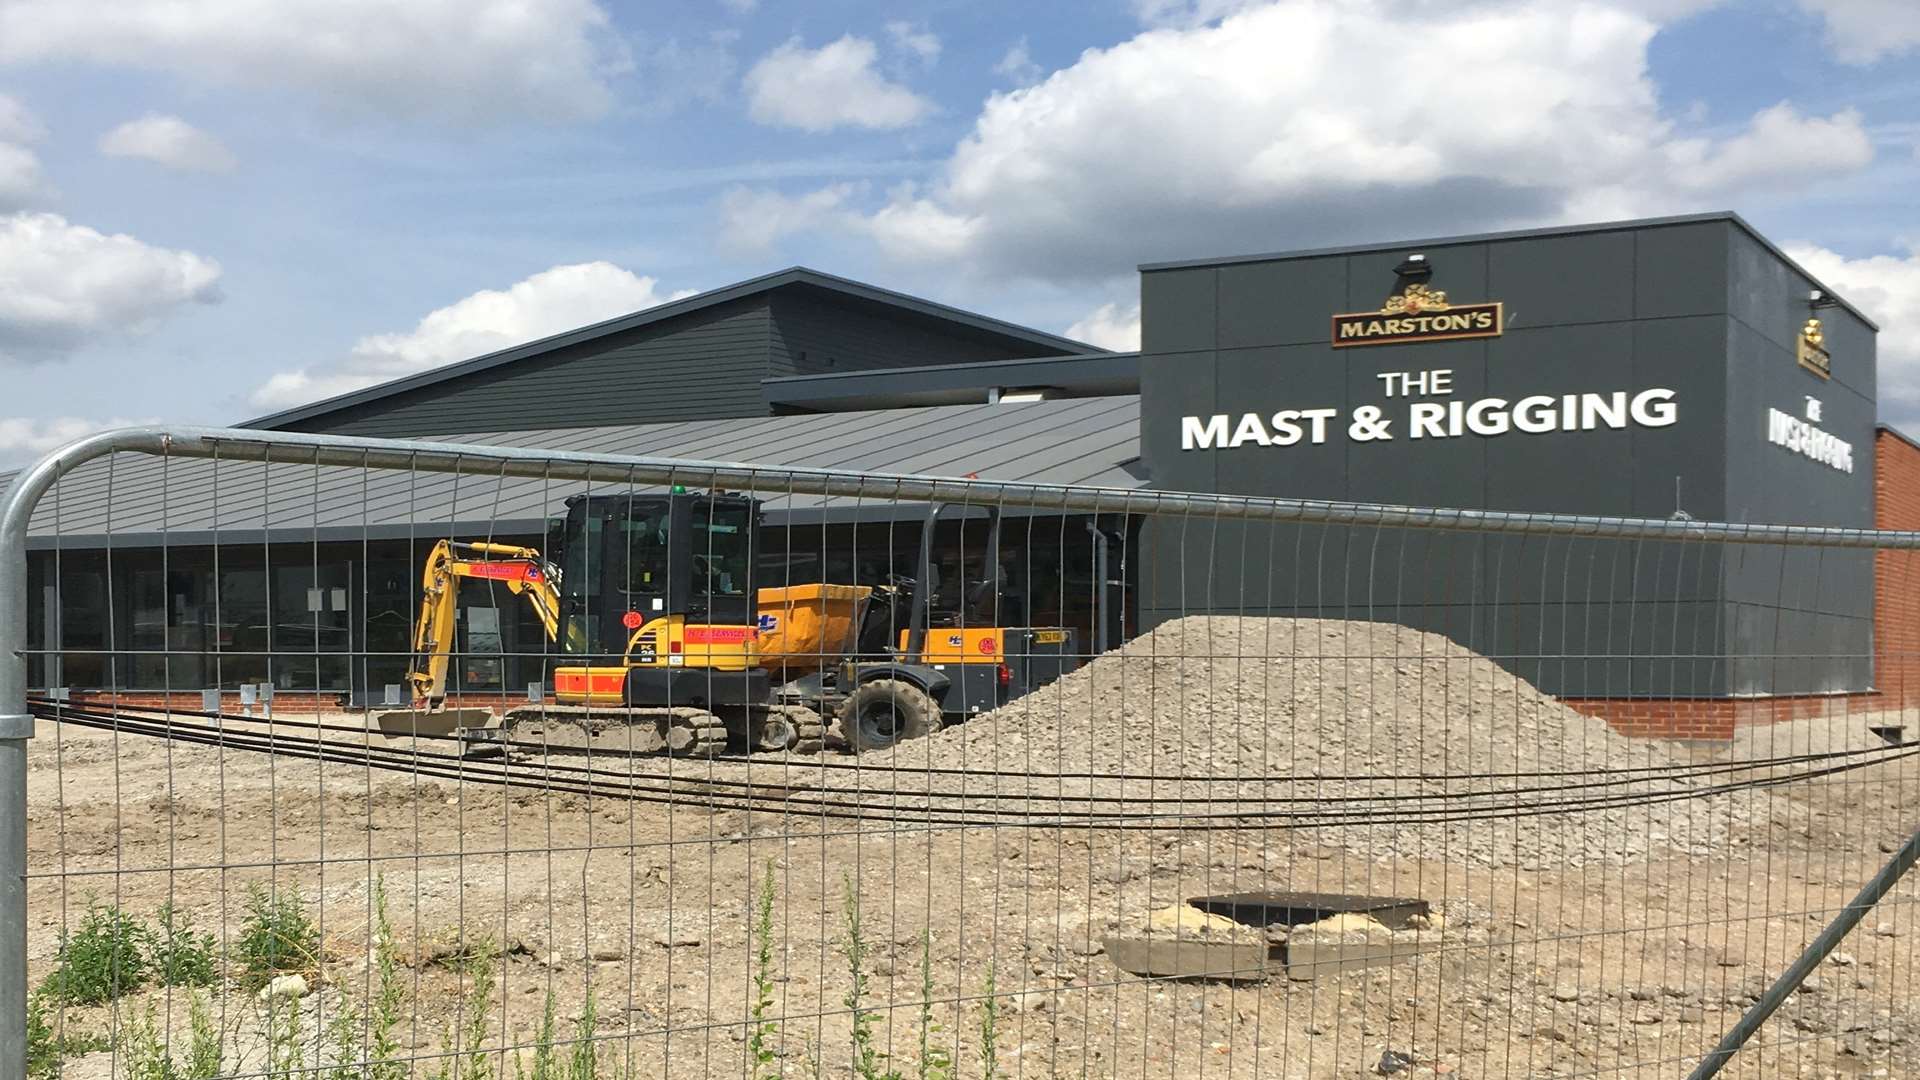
[944, 312]
[792, 275]
[633, 320]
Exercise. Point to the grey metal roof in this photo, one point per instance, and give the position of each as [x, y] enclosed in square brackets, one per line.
[1519, 234]
[137, 500]
[1088, 375]
[792, 276]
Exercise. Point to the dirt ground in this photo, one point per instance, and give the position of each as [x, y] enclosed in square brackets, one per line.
[1628, 968]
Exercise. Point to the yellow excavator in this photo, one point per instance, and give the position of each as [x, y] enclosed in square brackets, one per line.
[667, 645]
[521, 569]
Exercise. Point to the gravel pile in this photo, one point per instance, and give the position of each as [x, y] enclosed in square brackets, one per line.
[1356, 730]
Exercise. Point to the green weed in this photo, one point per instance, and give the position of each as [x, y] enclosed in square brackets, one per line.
[389, 997]
[286, 1056]
[205, 1042]
[936, 1061]
[584, 1062]
[43, 1046]
[546, 1063]
[343, 1041]
[867, 1057]
[764, 1034]
[101, 960]
[49, 1042]
[990, 1028]
[144, 1055]
[278, 937]
[467, 1032]
[180, 956]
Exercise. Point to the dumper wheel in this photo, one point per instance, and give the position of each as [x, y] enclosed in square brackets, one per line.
[885, 711]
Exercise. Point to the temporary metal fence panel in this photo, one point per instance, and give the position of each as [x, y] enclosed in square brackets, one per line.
[1184, 785]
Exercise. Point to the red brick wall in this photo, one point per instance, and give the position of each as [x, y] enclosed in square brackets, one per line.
[285, 702]
[1896, 587]
[1715, 718]
[1896, 633]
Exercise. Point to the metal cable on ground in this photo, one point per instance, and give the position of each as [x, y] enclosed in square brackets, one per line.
[1681, 769]
[712, 782]
[703, 796]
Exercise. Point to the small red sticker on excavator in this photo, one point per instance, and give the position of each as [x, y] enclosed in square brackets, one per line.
[631, 620]
[987, 646]
[504, 571]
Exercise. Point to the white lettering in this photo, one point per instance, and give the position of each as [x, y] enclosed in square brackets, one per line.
[1654, 408]
[1803, 438]
[1423, 419]
[1195, 436]
[1610, 408]
[1318, 419]
[1535, 414]
[1250, 430]
[1488, 416]
[1285, 431]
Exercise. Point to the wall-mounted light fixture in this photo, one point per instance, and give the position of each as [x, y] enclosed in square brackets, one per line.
[1819, 298]
[1012, 396]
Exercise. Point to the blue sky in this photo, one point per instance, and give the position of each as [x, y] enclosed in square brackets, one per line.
[213, 209]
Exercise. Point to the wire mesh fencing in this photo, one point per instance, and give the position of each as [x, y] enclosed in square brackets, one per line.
[346, 758]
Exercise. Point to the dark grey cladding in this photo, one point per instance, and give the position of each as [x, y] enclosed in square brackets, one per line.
[1701, 307]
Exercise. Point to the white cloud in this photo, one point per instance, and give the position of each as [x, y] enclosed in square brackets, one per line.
[21, 181]
[1268, 129]
[921, 43]
[1017, 65]
[17, 122]
[477, 61]
[1887, 288]
[168, 141]
[1187, 12]
[740, 7]
[755, 219]
[27, 436]
[1779, 146]
[1110, 326]
[1862, 31]
[550, 302]
[64, 285]
[833, 86]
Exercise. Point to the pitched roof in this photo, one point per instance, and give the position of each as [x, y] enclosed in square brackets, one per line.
[147, 501]
[797, 276]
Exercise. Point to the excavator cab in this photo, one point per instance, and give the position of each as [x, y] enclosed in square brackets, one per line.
[658, 592]
[633, 558]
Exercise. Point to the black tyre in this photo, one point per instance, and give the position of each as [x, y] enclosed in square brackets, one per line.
[883, 712]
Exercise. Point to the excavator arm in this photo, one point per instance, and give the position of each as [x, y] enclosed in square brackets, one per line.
[522, 570]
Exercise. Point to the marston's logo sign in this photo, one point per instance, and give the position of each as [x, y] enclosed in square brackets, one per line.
[1418, 314]
[1812, 350]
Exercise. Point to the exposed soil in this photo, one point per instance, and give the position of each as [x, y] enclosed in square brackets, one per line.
[1618, 941]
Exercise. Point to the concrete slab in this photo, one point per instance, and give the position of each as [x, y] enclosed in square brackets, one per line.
[1170, 957]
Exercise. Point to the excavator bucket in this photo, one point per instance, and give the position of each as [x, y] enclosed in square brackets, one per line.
[415, 723]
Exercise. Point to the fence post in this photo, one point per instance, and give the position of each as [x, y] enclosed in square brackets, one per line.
[1790, 979]
[16, 724]
[16, 727]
